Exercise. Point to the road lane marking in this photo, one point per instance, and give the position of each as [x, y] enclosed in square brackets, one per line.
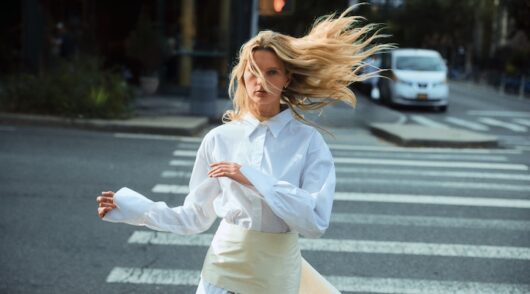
[433, 200]
[521, 121]
[502, 113]
[177, 162]
[176, 174]
[181, 277]
[401, 155]
[156, 137]
[432, 173]
[392, 198]
[422, 120]
[420, 149]
[437, 184]
[347, 172]
[424, 163]
[152, 276]
[429, 221]
[171, 189]
[185, 153]
[353, 246]
[523, 148]
[467, 124]
[412, 150]
[410, 286]
[341, 180]
[498, 123]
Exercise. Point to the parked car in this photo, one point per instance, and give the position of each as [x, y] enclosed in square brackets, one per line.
[415, 77]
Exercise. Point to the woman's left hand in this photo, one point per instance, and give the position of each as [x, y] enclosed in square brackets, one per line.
[229, 170]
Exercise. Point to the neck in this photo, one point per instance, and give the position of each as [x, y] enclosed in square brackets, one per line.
[265, 112]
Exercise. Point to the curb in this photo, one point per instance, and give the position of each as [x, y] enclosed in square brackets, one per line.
[419, 136]
[165, 125]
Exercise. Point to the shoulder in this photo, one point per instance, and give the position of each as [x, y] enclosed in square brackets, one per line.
[297, 127]
[315, 140]
[223, 133]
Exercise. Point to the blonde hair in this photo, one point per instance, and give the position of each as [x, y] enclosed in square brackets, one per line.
[322, 64]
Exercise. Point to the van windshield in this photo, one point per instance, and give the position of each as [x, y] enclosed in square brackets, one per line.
[419, 63]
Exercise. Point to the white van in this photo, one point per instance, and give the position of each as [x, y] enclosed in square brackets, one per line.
[414, 77]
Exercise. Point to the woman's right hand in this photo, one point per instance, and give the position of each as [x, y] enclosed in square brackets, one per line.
[106, 203]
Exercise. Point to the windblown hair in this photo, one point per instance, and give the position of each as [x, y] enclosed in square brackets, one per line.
[322, 64]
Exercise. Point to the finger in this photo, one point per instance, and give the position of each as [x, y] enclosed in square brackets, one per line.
[219, 170]
[108, 193]
[217, 174]
[218, 163]
[215, 169]
[104, 199]
[102, 211]
[111, 205]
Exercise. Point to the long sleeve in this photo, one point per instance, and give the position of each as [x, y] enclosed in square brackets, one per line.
[306, 209]
[194, 216]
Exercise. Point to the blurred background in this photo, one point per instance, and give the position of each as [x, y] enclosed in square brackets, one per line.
[158, 45]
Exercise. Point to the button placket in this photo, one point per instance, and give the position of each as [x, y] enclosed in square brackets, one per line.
[258, 146]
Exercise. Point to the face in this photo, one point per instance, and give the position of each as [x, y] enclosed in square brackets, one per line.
[273, 70]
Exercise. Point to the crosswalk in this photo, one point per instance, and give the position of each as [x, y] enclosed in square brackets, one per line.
[511, 127]
[457, 220]
[475, 123]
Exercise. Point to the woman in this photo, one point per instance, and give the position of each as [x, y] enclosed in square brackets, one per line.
[267, 173]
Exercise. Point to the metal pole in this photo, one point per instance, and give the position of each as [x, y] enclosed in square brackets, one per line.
[501, 88]
[521, 88]
[254, 18]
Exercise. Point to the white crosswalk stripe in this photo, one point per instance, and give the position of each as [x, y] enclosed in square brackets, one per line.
[429, 221]
[414, 150]
[393, 198]
[424, 163]
[432, 200]
[502, 124]
[350, 246]
[467, 124]
[434, 184]
[376, 161]
[157, 137]
[499, 113]
[521, 121]
[422, 120]
[432, 173]
[356, 171]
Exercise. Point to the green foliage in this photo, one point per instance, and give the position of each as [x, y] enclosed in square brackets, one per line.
[74, 89]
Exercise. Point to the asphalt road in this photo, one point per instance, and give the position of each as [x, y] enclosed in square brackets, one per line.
[404, 220]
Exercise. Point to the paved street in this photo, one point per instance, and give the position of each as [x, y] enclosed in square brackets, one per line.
[405, 220]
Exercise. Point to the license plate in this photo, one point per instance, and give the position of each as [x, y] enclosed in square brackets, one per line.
[422, 96]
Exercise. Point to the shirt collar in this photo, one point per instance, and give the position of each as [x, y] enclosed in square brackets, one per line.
[275, 123]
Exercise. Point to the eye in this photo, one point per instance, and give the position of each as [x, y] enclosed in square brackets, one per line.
[272, 72]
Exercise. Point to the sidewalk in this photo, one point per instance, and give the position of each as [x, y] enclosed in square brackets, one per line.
[482, 89]
[153, 115]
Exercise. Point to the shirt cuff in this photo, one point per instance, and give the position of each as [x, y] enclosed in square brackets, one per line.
[131, 207]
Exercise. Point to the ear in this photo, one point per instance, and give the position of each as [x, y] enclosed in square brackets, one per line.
[289, 77]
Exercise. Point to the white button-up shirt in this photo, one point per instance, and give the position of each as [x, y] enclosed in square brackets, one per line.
[288, 163]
